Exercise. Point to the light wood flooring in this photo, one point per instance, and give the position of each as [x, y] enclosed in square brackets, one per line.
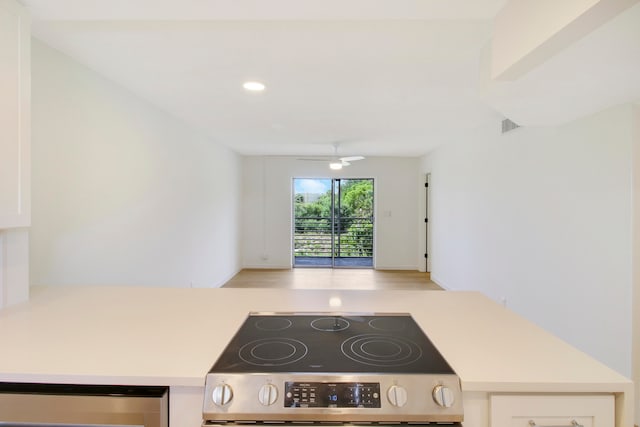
[327, 278]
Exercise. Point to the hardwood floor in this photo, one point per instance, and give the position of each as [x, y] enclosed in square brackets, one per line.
[327, 278]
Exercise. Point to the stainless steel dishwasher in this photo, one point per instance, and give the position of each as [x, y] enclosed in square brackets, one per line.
[44, 405]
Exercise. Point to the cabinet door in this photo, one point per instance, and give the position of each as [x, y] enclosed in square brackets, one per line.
[552, 410]
[15, 86]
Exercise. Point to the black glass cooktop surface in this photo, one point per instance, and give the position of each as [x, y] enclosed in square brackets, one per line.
[327, 343]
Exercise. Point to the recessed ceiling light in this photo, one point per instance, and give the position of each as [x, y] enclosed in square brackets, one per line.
[253, 86]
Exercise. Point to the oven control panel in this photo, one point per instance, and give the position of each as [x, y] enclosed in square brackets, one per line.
[331, 395]
[305, 398]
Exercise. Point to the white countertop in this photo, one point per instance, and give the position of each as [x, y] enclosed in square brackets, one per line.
[160, 336]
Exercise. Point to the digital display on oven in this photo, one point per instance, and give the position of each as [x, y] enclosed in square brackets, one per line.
[331, 395]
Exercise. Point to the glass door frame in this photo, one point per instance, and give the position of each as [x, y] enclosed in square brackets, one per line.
[335, 192]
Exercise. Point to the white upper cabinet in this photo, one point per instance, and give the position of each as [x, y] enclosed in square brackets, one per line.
[15, 123]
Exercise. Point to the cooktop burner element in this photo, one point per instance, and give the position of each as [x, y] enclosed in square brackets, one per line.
[330, 324]
[381, 350]
[328, 367]
[273, 324]
[272, 352]
[389, 324]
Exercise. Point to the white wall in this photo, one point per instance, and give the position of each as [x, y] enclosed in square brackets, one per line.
[124, 194]
[268, 208]
[541, 218]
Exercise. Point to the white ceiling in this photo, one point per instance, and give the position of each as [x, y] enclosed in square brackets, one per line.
[383, 77]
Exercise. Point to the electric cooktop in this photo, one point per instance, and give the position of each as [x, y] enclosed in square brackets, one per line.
[331, 367]
[326, 343]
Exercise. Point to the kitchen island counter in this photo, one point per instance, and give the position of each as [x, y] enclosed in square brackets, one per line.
[171, 337]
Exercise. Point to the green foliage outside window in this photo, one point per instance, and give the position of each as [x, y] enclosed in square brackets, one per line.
[353, 224]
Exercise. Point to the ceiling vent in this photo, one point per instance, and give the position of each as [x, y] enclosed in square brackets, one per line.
[508, 125]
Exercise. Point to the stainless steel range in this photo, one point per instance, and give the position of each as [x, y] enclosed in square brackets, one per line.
[328, 367]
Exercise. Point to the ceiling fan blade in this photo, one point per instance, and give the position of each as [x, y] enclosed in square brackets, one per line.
[344, 163]
[352, 158]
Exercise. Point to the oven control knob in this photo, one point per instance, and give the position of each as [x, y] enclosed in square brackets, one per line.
[443, 396]
[222, 394]
[397, 395]
[268, 394]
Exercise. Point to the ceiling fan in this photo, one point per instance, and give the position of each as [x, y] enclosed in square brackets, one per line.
[337, 163]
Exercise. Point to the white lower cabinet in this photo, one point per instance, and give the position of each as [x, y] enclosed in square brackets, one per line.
[587, 410]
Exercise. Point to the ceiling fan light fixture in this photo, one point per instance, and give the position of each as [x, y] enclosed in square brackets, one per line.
[253, 86]
[335, 165]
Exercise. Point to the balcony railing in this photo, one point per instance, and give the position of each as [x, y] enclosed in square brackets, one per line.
[351, 237]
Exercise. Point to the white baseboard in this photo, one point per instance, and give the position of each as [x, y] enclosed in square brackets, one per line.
[225, 280]
[397, 267]
[266, 267]
[441, 283]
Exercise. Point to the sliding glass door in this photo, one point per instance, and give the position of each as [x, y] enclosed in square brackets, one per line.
[333, 222]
